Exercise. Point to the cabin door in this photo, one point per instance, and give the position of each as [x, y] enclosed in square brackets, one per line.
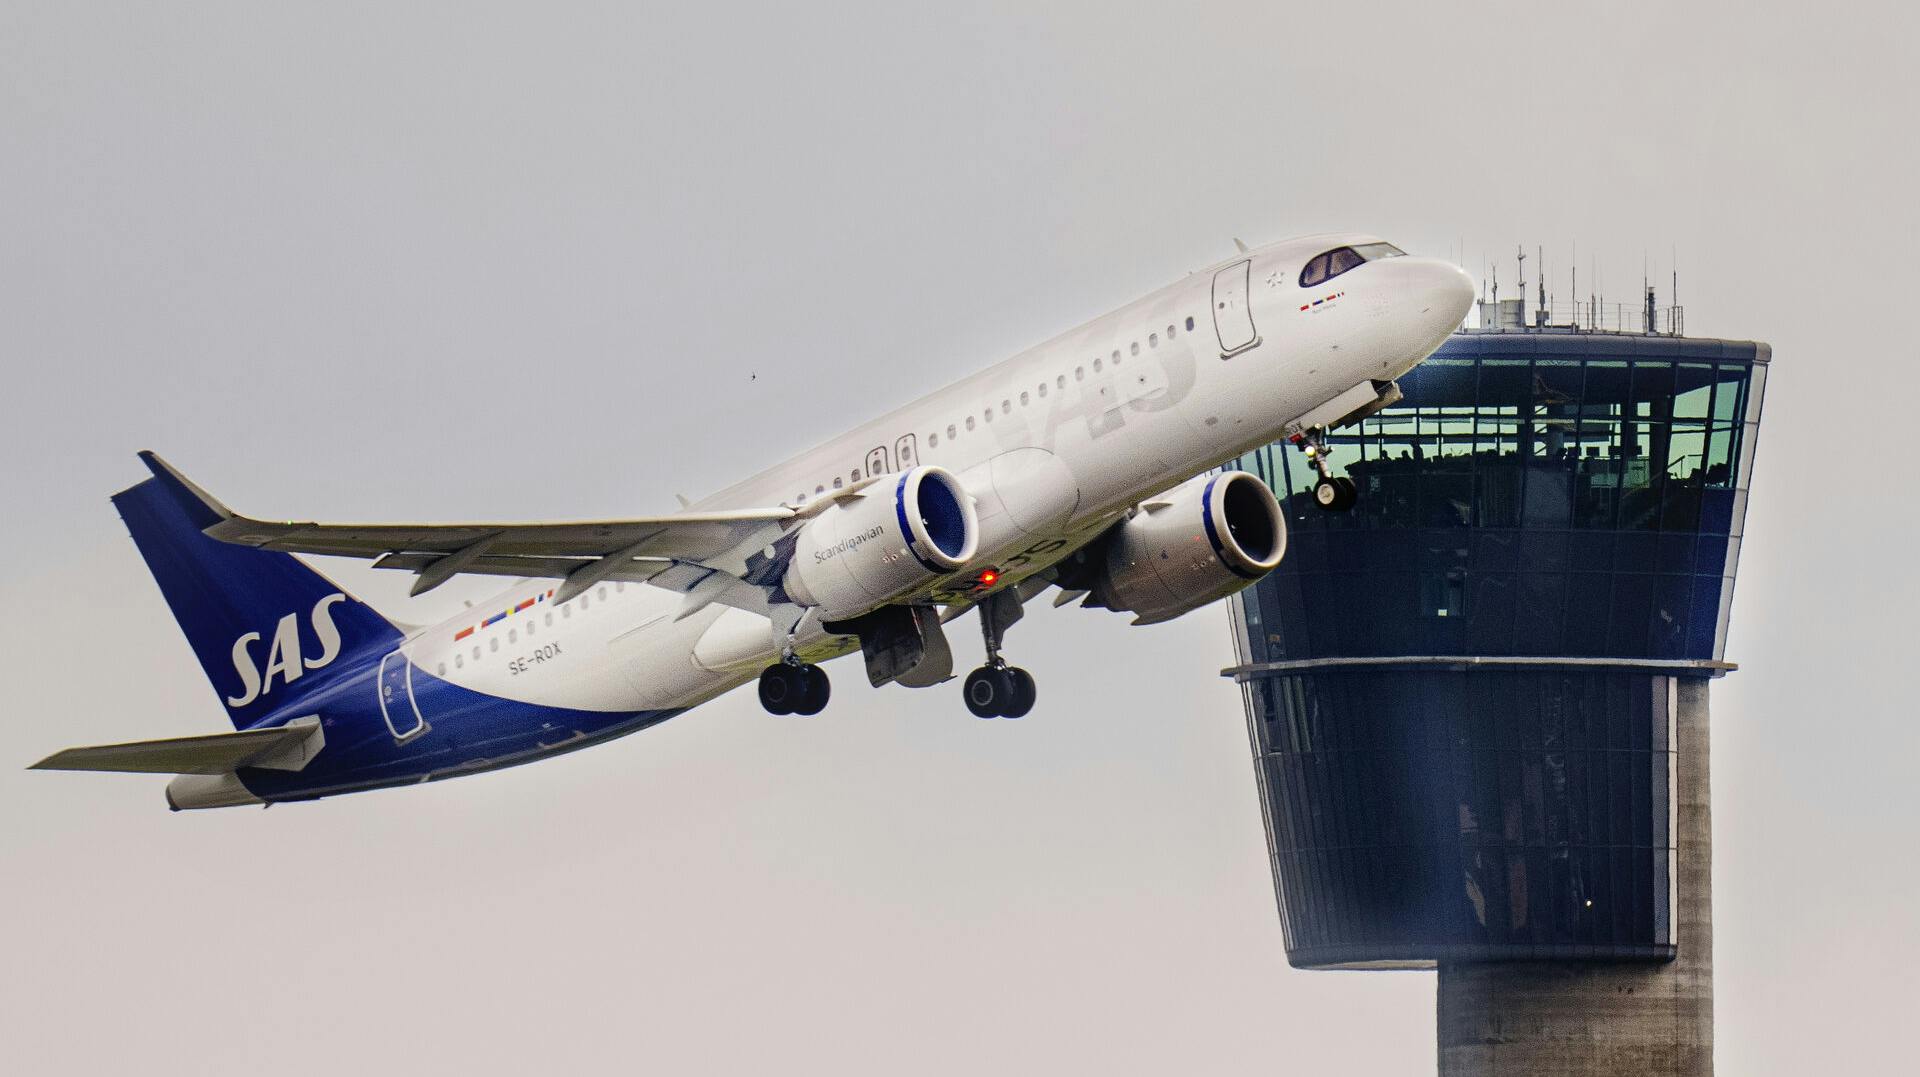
[1232, 315]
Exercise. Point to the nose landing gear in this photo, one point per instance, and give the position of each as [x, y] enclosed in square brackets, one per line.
[1332, 493]
[997, 690]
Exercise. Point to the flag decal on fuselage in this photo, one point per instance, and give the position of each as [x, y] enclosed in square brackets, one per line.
[501, 616]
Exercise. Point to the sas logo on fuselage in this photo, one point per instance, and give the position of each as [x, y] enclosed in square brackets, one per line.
[284, 659]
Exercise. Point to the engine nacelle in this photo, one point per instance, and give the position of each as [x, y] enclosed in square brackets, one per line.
[1202, 540]
[867, 550]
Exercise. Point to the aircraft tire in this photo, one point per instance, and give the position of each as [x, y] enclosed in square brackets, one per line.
[1335, 494]
[1024, 694]
[1349, 493]
[780, 688]
[988, 691]
[816, 689]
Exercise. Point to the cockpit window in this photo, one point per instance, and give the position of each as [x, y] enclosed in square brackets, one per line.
[1325, 267]
[1373, 252]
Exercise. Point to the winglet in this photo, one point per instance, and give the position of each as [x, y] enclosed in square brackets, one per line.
[201, 507]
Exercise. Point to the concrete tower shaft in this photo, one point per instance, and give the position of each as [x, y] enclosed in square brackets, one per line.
[1574, 1019]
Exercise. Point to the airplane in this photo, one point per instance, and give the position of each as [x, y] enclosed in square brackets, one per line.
[1089, 464]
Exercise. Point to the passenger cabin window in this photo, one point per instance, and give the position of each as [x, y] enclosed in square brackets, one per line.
[1189, 325]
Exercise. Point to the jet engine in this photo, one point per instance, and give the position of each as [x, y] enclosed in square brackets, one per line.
[1200, 541]
[872, 547]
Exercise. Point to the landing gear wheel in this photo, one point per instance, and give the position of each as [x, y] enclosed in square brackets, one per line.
[1335, 493]
[794, 688]
[1352, 492]
[815, 691]
[777, 689]
[1326, 495]
[988, 691]
[1024, 694]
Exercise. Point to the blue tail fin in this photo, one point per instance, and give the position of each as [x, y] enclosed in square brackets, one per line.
[268, 630]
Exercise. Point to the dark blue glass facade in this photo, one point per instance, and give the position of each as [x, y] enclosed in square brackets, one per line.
[1460, 694]
[1534, 494]
[1420, 815]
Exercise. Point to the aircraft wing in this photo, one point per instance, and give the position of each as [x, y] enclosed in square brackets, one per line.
[582, 552]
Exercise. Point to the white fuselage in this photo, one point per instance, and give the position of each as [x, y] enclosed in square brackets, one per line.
[1054, 445]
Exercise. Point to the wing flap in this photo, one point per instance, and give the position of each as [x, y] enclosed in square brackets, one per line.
[501, 565]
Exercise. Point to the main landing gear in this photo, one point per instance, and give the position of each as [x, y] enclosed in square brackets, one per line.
[1333, 493]
[997, 690]
[794, 687]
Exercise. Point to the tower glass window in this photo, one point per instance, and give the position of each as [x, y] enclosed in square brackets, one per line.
[1555, 495]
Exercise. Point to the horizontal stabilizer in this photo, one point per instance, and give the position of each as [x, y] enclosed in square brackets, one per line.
[286, 747]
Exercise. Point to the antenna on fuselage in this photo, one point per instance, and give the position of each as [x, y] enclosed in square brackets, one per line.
[1241, 247]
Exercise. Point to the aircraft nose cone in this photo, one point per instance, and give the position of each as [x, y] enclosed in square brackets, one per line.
[1441, 293]
[1453, 293]
[1423, 301]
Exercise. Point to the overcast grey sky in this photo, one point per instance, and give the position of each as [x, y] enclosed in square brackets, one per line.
[451, 261]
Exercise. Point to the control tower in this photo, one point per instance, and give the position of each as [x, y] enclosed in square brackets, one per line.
[1478, 701]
